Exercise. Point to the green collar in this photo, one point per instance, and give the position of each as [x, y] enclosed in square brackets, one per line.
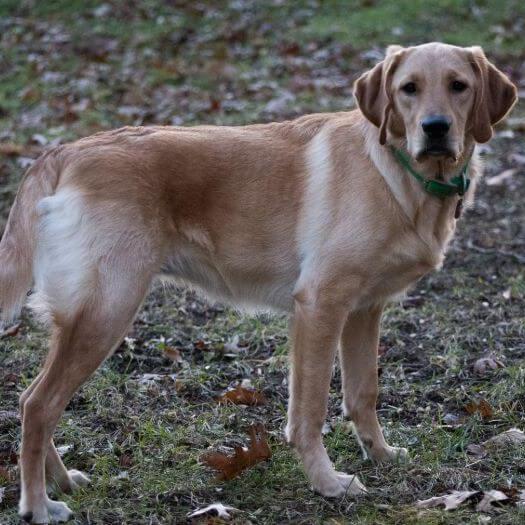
[457, 185]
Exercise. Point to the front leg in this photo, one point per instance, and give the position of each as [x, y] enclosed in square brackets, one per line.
[316, 330]
[358, 355]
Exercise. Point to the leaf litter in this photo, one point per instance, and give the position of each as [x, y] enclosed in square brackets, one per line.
[243, 458]
[216, 509]
[241, 395]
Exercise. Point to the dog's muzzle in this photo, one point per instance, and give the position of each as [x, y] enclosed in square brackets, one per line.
[436, 128]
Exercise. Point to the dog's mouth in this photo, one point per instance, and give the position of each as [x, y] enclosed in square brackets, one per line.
[436, 151]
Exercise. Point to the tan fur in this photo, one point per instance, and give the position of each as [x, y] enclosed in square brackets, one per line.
[312, 217]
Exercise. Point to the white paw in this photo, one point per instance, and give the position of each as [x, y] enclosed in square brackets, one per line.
[353, 486]
[389, 454]
[78, 478]
[58, 511]
[337, 484]
[49, 512]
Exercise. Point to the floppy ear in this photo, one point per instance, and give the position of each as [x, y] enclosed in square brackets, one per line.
[495, 95]
[372, 90]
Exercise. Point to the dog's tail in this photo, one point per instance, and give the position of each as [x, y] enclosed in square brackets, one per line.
[17, 247]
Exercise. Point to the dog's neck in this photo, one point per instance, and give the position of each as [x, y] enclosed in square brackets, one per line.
[432, 217]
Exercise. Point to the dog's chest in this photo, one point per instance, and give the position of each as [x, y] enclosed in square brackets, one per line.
[389, 273]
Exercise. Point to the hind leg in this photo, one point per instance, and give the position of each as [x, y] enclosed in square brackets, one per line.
[79, 344]
[57, 476]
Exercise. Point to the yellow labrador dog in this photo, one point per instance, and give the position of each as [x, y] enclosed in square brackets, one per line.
[326, 217]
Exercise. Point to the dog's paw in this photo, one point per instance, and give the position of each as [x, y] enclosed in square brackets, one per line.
[353, 486]
[68, 484]
[49, 512]
[389, 455]
[59, 512]
[337, 484]
[78, 479]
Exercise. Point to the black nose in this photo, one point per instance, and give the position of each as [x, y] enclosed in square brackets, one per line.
[436, 127]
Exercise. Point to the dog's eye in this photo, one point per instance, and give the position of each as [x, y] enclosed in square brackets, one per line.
[458, 86]
[409, 88]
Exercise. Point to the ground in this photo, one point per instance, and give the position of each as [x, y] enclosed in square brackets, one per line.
[70, 68]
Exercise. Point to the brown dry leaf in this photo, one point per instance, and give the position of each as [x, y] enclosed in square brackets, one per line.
[449, 501]
[11, 378]
[125, 460]
[243, 396]
[482, 408]
[490, 497]
[229, 467]
[484, 364]
[12, 331]
[173, 354]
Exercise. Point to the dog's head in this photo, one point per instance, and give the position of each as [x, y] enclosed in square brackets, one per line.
[435, 96]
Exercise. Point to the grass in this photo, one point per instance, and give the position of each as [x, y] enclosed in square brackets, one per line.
[486, 23]
[66, 72]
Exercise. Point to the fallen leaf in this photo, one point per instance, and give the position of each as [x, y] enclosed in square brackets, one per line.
[507, 294]
[450, 419]
[146, 379]
[482, 408]
[449, 501]
[12, 331]
[216, 509]
[490, 497]
[200, 344]
[64, 449]
[484, 364]
[243, 396]
[11, 378]
[173, 354]
[513, 436]
[150, 379]
[229, 467]
[477, 450]
[499, 180]
[125, 460]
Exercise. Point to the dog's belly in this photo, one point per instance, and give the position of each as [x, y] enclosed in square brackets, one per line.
[256, 288]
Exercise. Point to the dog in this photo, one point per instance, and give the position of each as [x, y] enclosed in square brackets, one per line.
[326, 217]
